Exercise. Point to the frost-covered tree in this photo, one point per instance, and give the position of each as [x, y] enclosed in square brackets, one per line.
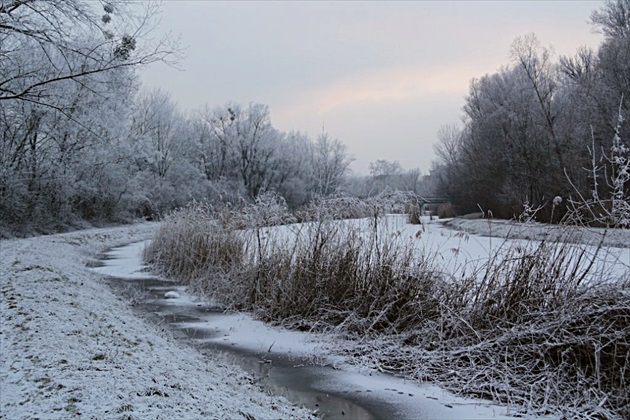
[619, 182]
[415, 182]
[45, 43]
[528, 128]
[216, 131]
[239, 144]
[608, 203]
[49, 174]
[613, 19]
[382, 168]
[242, 154]
[330, 162]
[256, 144]
[66, 86]
[291, 169]
[166, 174]
[384, 174]
[158, 129]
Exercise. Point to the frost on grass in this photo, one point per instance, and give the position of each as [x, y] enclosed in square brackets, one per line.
[609, 204]
[71, 348]
[530, 327]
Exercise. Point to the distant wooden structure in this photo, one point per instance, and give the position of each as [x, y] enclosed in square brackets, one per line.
[429, 203]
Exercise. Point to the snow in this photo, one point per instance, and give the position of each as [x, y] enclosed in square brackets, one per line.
[462, 246]
[71, 347]
[490, 236]
[171, 295]
[241, 328]
[123, 262]
[426, 402]
[616, 238]
[256, 336]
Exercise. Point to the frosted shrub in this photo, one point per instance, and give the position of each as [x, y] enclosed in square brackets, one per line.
[531, 333]
[269, 209]
[338, 277]
[615, 210]
[336, 207]
[529, 212]
[620, 178]
[192, 244]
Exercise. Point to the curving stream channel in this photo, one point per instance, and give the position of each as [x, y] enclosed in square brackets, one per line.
[305, 380]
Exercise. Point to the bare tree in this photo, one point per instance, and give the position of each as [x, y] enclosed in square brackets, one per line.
[613, 19]
[330, 163]
[46, 42]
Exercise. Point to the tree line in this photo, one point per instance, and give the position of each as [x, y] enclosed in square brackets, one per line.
[81, 142]
[541, 129]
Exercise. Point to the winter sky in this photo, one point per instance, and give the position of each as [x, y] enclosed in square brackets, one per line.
[381, 76]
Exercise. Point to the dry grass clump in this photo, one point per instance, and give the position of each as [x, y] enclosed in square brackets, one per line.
[532, 333]
[192, 243]
[336, 277]
[342, 207]
[414, 212]
[530, 328]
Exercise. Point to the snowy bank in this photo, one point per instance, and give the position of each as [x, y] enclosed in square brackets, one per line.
[70, 347]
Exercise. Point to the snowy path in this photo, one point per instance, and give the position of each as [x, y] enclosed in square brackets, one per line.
[70, 347]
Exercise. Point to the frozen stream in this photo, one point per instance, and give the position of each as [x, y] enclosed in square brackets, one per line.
[286, 363]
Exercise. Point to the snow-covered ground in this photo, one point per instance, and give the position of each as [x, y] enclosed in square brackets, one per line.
[608, 248]
[459, 245]
[70, 347]
[617, 238]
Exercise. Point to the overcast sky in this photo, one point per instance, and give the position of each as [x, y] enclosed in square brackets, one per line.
[380, 76]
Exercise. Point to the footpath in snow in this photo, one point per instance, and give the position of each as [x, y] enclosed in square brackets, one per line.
[70, 347]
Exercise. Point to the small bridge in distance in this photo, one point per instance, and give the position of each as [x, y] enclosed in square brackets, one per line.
[432, 199]
[429, 203]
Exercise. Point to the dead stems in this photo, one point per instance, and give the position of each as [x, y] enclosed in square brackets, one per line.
[527, 329]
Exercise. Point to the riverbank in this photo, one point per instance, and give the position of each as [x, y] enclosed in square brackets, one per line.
[511, 320]
[69, 347]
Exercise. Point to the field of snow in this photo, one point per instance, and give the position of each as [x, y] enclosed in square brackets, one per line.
[459, 245]
[609, 248]
[616, 238]
[70, 347]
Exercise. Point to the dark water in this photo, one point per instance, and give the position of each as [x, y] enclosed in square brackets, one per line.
[297, 379]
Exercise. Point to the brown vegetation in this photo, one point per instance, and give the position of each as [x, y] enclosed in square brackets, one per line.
[526, 328]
